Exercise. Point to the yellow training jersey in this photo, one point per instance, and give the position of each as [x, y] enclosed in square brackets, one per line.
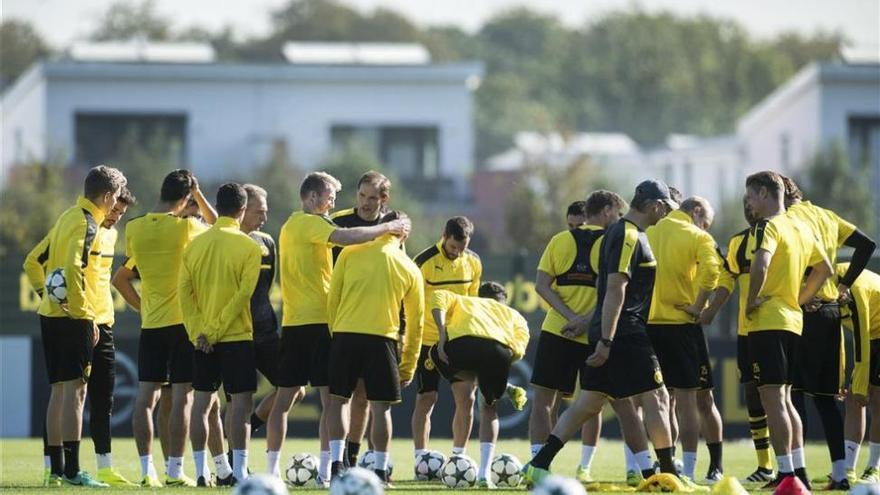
[793, 248]
[369, 283]
[460, 276]
[831, 230]
[739, 262]
[218, 275]
[687, 261]
[306, 263]
[468, 316]
[862, 316]
[70, 241]
[572, 259]
[154, 245]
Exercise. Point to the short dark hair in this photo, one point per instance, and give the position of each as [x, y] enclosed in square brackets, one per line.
[176, 186]
[675, 194]
[392, 216]
[458, 228]
[377, 179]
[793, 193]
[101, 180]
[493, 290]
[599, 200]
[318, 182]
[767, 179]
[231, 198]
[127, 197]
[578, 208]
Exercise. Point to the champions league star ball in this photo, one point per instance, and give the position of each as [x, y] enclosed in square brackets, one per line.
[357, 481]
[559, 485]
[302, 469]
[428, 465]
[56, 286]
[368, 461]
[261, 484]
[459, 472]
[505, 470]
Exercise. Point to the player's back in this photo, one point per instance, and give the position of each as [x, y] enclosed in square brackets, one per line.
[830, 230]
[471, 316]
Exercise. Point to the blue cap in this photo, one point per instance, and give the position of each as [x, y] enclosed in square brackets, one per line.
[656, 190]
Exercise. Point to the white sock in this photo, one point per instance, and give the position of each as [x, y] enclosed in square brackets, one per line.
[838, 470]
[643, 460]
[199, 458]
[873, 455]
[536, 447]
[239, 464]
[784, 463]
[337, 448]
[631, 464]
[103, 461]
[175, 467]
[147, 466]
[419, 452]
[797, 458]
[221, 464]
[460, 450]
[690, 463]
[272, 460]
[47, 462]
[381, 460]
[487, 450]
[587, 452]
[851, 450]
[324, 466]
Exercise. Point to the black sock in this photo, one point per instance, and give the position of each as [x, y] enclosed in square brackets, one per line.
[548, 452]
[801, 473]
[71, 459]
[353, 448]
[664, 456]
[382, 474]
[56, 459]
[832, 423]
[714, 456]
[256, 422]
[45, 440]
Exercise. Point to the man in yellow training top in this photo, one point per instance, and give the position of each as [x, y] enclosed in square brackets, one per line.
[480, 338]
[370, 283]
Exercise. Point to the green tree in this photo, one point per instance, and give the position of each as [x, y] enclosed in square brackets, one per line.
[20, 46]
[281, 178]
[125, 20]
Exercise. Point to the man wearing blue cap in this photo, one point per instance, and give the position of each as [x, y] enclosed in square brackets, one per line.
[622, 363]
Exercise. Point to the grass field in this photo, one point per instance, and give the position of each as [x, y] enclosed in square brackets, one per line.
[21, 462]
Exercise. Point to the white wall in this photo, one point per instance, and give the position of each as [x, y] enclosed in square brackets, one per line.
[15, 386]
[23, 122]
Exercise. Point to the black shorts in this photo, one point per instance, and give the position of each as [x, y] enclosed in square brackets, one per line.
[743, 360]
[267, 353]
[67, 347]
[165, 355]
[230, 364]
[305, 354]
[874, 379]
[485, 359]
[632, 368]
[820, 352]
[773, 356]
[683, 355]
[371, 358]
[426, 377]
[558, 361]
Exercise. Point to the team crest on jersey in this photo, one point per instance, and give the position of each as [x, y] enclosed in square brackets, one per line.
[658, 377]
[87, 372]
[429, 364]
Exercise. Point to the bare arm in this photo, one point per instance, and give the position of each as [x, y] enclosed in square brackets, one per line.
[819, 273]
[207, 211]
[719, 299]
[122, 280]
[360, 235]
[543, 287]
[613, 304]
[757, 277]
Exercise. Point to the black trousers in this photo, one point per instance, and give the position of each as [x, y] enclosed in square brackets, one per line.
[100, 391]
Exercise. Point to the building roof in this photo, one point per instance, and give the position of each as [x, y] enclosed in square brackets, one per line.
[356, 53]
[556, 149]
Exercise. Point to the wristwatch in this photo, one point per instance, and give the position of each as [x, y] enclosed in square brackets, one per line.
[607, 342]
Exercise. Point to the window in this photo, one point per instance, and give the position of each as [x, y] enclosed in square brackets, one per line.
[408, 152]
[784, 151]
[864, 142]
[104, 137]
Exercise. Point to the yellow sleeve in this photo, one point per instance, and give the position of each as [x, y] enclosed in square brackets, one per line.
[547, 263]
[194, 227]
[189, 305]
[249, 275]
[35, 265]
[414, 309]
[443, 300]
[844, 229]
[520, 336]
[766, 237]
[474, 289]
[337, 280]
[76, 259]
[860, 314]
[318, 230]
[709, 263]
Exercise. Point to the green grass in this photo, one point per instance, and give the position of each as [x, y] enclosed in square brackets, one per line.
[21, 462]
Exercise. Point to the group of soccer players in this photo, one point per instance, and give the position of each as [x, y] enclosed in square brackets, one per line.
[629, 289]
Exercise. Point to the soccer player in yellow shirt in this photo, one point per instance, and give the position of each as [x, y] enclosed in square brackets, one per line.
[69, 329]
[783, 248]
[306, 265]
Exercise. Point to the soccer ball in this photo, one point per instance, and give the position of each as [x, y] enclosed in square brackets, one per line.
[56, 286]
[505, 470]
[428, 465]
[368, 461]
[261, 484]
[459, 472]
[559, 485]
[865, 489]
[302, 468]
[357, 481]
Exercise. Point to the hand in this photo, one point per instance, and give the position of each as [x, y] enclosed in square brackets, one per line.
[751, 306]
[441, 353]
[96, 334]
[405, 383]
[65, 307]
[203, 345]
[400, 228]
[599, 356]
[576, 327]
[691, 309]
[195, 182]
[706, 317]
[813, 305]
[845, 295]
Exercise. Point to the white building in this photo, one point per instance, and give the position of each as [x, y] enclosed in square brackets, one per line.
[415, 115]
